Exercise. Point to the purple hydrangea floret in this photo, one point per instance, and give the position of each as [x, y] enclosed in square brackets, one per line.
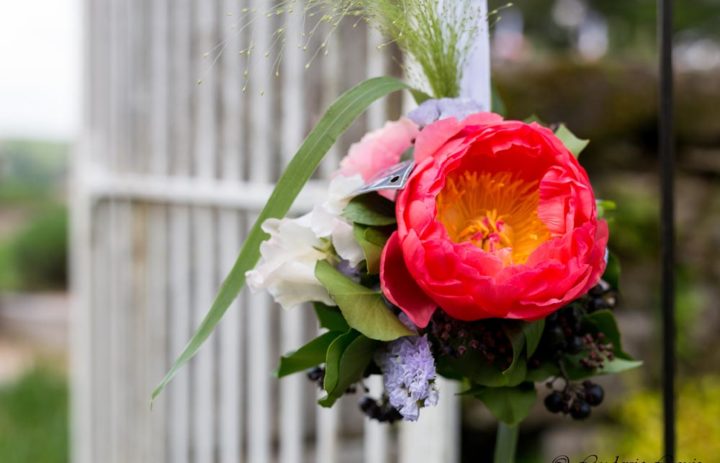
[409, 375]
[433, 110]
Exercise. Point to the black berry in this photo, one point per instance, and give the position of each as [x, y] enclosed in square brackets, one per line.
[554, 402]
[594, 394]
[370, 407]
[316, 374]
[574, 345]
[580, 409]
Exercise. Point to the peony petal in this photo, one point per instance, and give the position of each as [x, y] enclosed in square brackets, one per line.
[432, 137]
[399, 286]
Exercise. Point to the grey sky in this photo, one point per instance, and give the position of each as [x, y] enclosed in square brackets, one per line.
[40, 68]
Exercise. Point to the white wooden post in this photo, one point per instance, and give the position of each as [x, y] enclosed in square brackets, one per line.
[436, 436]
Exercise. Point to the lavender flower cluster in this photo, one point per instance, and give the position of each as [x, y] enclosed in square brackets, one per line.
[409, 375]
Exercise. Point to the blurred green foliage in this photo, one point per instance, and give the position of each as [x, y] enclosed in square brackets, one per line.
[631, 24]
[31, 170]
[33, 256]
[34, 419]
[636, 431]
[37, 256]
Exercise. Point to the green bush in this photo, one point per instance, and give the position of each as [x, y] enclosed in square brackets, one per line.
[34, 419]
[37, 257]
[637, 432]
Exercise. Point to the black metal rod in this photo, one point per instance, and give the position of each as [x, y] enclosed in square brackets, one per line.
[667, 228]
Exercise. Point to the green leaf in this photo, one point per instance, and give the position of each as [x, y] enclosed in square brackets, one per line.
[604, 206]
[518, 373]
[370, 209]
[533, 333]
[604, 322]
[543, 372]
[571, 142]
[372, 241]
[517, 339]
[474, 367]
[310, 355]
[497, 105]
[419, 96]
[612, 271]
[347, 358]
[333, 356]
[534, 118]
[618, 365]
[509, 404]
[330, 317]
[333, 123]
[363, 308]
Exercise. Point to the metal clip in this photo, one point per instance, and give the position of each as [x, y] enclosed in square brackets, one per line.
[393, 178]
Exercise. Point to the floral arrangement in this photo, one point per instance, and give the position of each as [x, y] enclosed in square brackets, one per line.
[451, 243]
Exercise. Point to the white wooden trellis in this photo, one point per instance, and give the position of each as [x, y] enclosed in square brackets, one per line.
[168, 176]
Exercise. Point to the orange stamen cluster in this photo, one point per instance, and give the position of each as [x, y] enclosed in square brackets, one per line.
[494, 211]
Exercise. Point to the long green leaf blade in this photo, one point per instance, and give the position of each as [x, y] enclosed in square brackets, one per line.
[333, 123]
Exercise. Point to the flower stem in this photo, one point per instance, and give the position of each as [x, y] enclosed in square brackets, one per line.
[506, 443]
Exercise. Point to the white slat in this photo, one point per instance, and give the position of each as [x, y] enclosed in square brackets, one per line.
[179, 263]
[179, 328]
[328, 419]
[331, 88]
[291, 388]
[260, 102]
[84, 246]
[120, 291]
[327, 434]
[376, 434]
[259, 407]
[261, 166]
[156, 269]
[102, 379]
[434, 437]
[204, 159]
[376, 66]
[230, 360]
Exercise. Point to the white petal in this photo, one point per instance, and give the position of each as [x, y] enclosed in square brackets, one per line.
[287, 265]
[345, 244]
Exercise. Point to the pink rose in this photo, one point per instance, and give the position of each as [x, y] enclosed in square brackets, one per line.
[498, 220]
[378, 150]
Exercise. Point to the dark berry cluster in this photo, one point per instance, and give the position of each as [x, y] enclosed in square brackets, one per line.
[597, 351]
[379, 410]
[317, 376]
[575, 399]
[455, 338]
[565, 333]
[601, 296]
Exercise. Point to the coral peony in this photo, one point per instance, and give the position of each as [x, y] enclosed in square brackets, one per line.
[498, 220]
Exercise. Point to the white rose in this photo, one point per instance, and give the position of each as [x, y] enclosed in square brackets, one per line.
[287, 264]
